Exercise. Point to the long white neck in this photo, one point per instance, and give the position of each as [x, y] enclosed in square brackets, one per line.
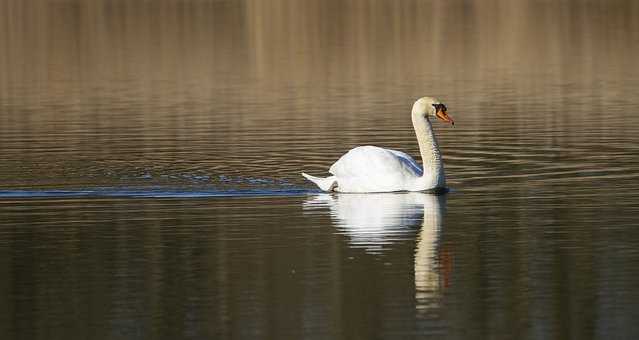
[432, 163]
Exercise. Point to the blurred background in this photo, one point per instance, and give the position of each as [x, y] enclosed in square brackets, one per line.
[135, 137]
[94, 92]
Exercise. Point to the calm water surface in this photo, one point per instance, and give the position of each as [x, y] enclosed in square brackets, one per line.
[150, 156]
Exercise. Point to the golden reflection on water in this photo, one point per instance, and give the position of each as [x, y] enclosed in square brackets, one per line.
[539, 230]
[175, 51]
[109, 90]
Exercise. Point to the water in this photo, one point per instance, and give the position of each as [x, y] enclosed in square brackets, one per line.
[150, 158]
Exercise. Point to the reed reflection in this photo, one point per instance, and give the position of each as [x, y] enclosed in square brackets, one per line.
[376, 222]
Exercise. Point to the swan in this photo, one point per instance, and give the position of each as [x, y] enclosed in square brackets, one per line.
[374, 169]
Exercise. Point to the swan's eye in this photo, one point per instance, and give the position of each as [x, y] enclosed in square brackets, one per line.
[439, 107]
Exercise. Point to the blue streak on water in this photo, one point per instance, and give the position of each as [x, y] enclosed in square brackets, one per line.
[154, 192]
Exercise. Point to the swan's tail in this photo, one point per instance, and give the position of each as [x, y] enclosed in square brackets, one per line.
[326, 184]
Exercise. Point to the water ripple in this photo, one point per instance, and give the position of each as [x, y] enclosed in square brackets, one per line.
[152, 193]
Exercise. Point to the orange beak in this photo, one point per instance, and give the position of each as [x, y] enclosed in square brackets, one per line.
[444, 117]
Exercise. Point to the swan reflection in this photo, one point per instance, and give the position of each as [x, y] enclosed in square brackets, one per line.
[375, 222]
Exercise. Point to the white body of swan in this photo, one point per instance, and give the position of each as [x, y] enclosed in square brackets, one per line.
[375, 169]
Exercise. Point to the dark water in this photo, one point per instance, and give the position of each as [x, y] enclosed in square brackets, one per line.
[150, 156]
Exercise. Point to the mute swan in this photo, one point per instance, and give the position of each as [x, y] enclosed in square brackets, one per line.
[375, 169]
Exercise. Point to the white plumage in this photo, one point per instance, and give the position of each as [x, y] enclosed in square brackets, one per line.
[375, 169]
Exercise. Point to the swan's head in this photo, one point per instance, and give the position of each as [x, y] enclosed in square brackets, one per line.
[430, 107]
